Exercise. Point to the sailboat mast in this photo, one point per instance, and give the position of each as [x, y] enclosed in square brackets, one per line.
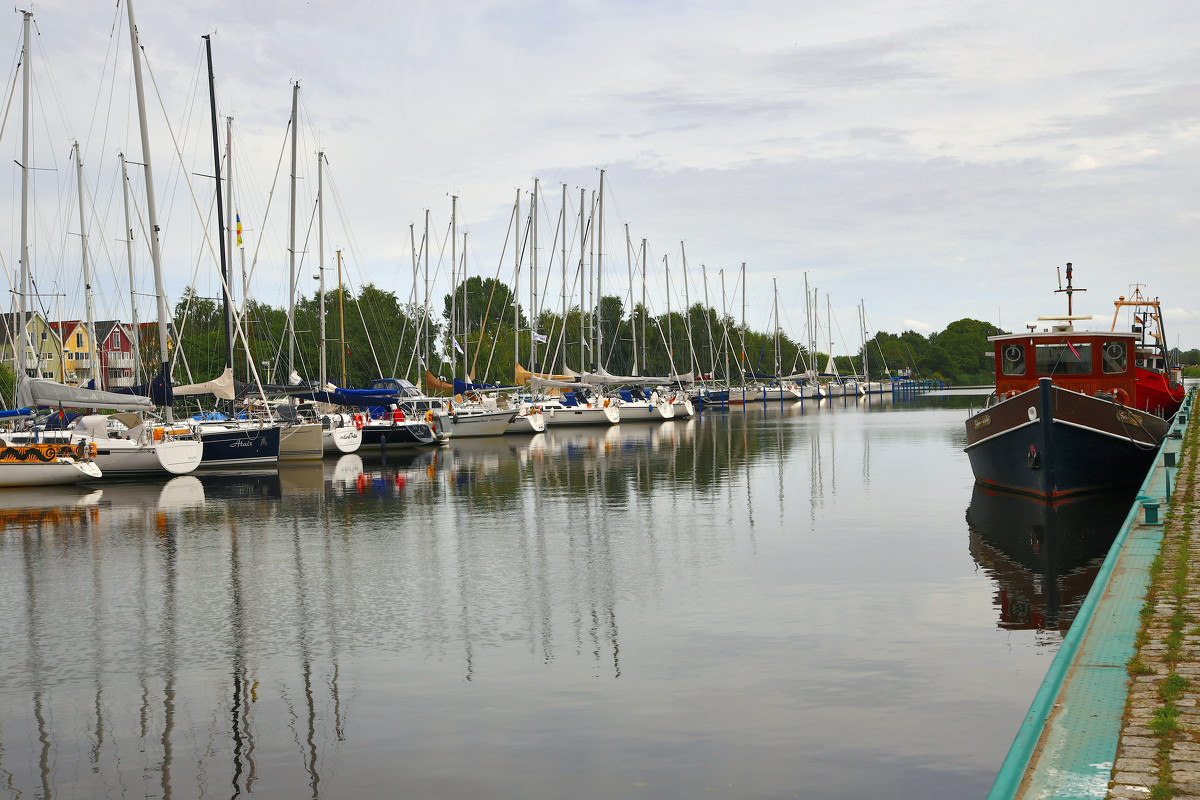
[598, 243]
[563, 332]
[228, 227]
[321, 367]
[151, 215]
[775, 287]
[137, 330]
[533, 276]
[582, 291]
[632, 318]
[225, 310]
[88, 302]
[291, 316]
[425, 312]
[725, 330]
[19, 352]
[743, 322]
[670, 327]
[453, 285]
[645, 365]
[712, 365]
[687, 311]
[341, 318]
[516, 224]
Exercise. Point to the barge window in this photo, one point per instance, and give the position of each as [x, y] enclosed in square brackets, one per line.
[1013, 359]
[1116, 357]
[1065, 358]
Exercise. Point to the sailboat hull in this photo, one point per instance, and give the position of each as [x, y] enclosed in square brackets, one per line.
[236, 448]
[301, 442]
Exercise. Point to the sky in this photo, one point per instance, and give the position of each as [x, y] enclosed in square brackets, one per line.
[929, 160]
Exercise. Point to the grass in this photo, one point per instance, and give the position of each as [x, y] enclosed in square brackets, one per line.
[1169, 582]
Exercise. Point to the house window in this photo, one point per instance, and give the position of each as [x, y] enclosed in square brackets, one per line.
[79, 340]
[43, 336]
[47, 374]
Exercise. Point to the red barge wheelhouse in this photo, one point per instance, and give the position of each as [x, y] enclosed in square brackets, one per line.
[1065, 417]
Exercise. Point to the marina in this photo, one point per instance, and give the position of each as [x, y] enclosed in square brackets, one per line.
[455, 417]
[762, 603]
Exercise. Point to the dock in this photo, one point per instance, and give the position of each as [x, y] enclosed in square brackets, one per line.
[1118, 713]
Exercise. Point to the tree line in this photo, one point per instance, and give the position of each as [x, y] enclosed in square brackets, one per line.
[481, 331]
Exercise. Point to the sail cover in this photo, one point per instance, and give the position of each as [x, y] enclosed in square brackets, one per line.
[521, 375]
[221, 387]
[44, 392]
[544, 383]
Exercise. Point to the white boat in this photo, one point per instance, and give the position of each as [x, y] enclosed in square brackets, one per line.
[125, 446]
[762, 393]
[682, 404]
[570, 410]
[340, 433]
[636, 407]
[46, 465]
[528, 420]
[483, 417]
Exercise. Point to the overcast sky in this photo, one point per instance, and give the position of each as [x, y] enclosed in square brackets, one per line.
[935, 160]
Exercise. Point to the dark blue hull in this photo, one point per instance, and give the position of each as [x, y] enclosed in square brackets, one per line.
[1052, 443]
[239, 449]
[409, 433]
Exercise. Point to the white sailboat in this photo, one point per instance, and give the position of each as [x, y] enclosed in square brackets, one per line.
[131, 447]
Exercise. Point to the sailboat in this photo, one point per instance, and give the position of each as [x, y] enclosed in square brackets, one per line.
[44, 464]
[228, 443]
[123, 445]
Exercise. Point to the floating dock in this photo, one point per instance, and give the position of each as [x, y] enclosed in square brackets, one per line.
[1076, 741]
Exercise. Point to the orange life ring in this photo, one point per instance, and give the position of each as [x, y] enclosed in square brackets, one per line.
[358, 421]
[1121, 396]
[429, 416]
[1011, 393]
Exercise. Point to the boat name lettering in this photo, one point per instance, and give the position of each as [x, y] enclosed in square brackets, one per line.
[983, 422]
[1128, 418]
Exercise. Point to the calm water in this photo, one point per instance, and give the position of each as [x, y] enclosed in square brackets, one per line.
[762, 604]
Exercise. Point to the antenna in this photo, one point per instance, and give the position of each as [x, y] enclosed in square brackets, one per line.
[1069, 290]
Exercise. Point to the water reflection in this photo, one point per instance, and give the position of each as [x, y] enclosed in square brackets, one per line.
[423, 618]
[1042, 555]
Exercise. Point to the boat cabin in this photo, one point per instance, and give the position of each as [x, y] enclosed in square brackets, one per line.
[1085, 362]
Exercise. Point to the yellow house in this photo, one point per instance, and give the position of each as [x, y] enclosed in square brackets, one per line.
[78, 368]
[43, 357]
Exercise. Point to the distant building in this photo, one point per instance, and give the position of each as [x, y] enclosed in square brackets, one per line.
[112, 366]
[43, 356]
